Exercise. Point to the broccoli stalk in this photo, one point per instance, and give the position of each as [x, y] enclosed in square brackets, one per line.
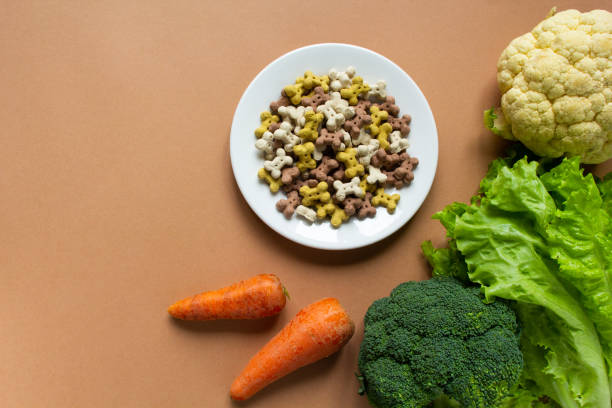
[437, 338]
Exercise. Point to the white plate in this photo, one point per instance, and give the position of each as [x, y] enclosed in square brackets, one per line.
[247, 160]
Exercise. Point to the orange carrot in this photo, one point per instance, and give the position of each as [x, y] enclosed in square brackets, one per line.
[317, 331]
[259, 296]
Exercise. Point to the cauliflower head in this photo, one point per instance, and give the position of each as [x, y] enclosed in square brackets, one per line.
[556, 85]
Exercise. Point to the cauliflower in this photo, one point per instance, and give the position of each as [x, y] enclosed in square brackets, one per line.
[556, 87]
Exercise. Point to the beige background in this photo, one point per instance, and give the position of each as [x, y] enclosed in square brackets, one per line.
[117, 196]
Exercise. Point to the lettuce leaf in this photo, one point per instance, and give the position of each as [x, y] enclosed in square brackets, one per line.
[605, 187]
[580, 239]
[541, 236]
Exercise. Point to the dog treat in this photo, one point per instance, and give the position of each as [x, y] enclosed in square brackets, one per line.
[363, 138]
[336, 111]
[297, 184]
[366, 151]
[385, 160]
[389, 106]
[344, 189]
[355, 90]
[266, 119]
[322, 171]
[351, 205]
[273, 127]
[319, 98]
[357, 123]
[375, 175]
[378, 115]
[402, 124]
[304, 154]
[339, 174]
[294, 92]
[310, 80]
[305, 212]
[335, 139]
[377, 92]
[274, 183]
[310, 132]
[353, 167]
[288, 205]
[266, 145]
[338, 216]
[289, 174]
[386, 200]
[341, 79]
[402, 174]
[397, 142]
[366, 209]
[312, 195]
[318, 152]
[367, 187]
[324, 209]
[294, 115]
[284, 135]
[384, 131]
[275, 165]
[282, 101]
[333, 143]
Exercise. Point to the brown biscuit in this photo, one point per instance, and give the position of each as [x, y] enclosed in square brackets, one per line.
[384, 160]
[366, 209]
[389, 106]
[402, 175]
[351, 205]
[402, 124]
[322, 171]
[339, 174]
[289, 174]
[328, 138]
[297, 184]
[282, 101]
[361, 119]
[287, 206]
[274, 126]
[318, 98]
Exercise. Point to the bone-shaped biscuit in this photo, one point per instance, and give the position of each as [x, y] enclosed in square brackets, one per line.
[375, 175]
[336, 111]
[377, 92]
[397, 142]
[293, 115]
[366, 151]
[306, 213]
[341, 79]
[288, 139]
[275, 165]
[344, 189]
[266, 145]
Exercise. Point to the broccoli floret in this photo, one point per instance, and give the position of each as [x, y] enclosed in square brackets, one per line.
[437, 338]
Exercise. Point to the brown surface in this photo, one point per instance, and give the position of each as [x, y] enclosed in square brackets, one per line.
[117, 196]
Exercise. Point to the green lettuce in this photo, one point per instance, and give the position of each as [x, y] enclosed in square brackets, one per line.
[540, 234]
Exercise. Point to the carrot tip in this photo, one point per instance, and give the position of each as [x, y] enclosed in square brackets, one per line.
[173, 310]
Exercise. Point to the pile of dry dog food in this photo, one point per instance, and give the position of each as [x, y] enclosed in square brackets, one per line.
[333, 143]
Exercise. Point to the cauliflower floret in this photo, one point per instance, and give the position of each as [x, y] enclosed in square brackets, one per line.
[556, 84]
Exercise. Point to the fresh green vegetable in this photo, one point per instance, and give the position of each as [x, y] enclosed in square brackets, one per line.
[438, 338]
[543, 238]
[555, 85]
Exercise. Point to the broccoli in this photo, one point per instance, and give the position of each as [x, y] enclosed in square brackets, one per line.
[437, 338]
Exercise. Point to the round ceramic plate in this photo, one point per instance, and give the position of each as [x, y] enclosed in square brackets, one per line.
[247, 160]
